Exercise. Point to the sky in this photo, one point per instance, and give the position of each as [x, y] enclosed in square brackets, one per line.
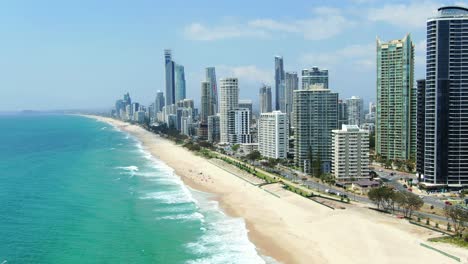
[84, 54]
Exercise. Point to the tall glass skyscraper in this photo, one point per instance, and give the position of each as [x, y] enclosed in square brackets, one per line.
[170, 78]
[159, 102]
[265, 99]
[279, 83]
[446, 102]
[179, 83]
[291, 84]
[314, 76]
[211, 77]
[355, 110]
[396, 100]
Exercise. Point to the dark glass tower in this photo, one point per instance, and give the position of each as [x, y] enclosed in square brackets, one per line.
[279, 82]
[170, 77]
[446, 117]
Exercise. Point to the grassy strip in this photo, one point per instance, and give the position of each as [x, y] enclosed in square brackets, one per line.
[429, 227]
[454, 240]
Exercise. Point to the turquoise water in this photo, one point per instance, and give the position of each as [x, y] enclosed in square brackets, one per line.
[74, 190]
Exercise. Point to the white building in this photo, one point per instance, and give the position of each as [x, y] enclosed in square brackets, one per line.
[228, 100]
[239, 126]
[355, 110]
[273, 134]
[350, 153]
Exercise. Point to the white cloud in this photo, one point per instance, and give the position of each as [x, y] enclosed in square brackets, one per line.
[326, 22]
[362, 56]
[420, 53]
[245, 73]
[412, 15]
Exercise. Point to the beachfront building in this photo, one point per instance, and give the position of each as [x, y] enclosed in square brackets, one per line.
[396, 100]
[273, 135]
[229, 100]
[350, 153]
[355, 110]
[314, 76]
[446, 100]
[291, 84]
[210, 76]
[213, 128]
[170, 77]
[315, 116]
[239, 126]
[265, 99]
[179, 75]
[279, 83]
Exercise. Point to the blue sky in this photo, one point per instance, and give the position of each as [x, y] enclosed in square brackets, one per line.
[84, 54]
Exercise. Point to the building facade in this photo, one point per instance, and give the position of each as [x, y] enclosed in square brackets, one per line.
[314, 76]
[265, 99]
[446, 100]
[273, 135]
[279, 82]
[396, 100]
[229, 100]
[315, 116]
[350, 153]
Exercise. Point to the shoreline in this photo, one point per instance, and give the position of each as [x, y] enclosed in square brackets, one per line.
[292, 229]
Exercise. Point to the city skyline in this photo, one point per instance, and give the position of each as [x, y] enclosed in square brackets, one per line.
[118, 50]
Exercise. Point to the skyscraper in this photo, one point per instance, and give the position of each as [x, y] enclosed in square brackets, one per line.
[315, 116]
[279, 82]
[396, 107]
[421, 125]
[229, 100]
[265, 99]
[213, 128]
[179, 83]
[170, 78]
[355, 110]
[291, 84]
[205, 105]
[273, 135]
[159, 102]
[314, 76]
[446, 101]
[342, 113]
[211, 77]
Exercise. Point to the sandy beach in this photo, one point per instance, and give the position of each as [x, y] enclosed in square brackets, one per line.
[292, 229]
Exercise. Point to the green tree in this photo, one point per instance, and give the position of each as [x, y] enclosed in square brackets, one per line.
[459, 217]
[383, 197]
[254, 155]
[235, 147]
[410, 202]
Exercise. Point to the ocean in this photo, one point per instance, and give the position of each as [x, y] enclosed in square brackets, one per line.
[75, 190]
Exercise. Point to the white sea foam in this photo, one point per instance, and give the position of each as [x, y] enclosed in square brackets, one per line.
[169, 197]
[129, 168]
[184, 217]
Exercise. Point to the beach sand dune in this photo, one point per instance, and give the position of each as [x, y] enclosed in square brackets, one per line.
[293, 229]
